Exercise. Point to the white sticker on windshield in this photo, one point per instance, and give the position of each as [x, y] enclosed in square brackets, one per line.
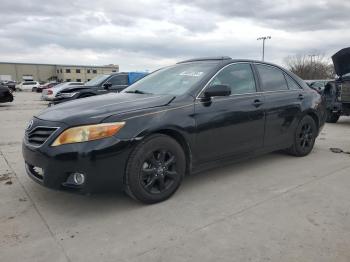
[189, 73]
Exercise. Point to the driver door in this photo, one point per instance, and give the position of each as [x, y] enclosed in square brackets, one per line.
[232, 124]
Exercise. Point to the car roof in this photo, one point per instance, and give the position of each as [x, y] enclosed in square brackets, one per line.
[227, 60]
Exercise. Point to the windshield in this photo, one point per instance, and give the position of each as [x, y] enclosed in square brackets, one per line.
[174, 80]
[97, 80]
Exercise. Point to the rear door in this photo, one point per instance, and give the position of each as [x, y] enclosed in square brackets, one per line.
[231, 124]
[283, 100]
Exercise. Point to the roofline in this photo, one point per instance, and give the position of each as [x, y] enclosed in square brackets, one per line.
[37, 64]
[206, 59]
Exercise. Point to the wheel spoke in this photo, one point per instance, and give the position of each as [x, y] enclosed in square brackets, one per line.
[161, 183]
[153, 160]
[171, 174]
[147, 172]
[170, 161]
[150, 184]
[161, 156]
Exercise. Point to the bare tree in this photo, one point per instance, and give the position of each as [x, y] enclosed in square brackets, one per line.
[310, 66]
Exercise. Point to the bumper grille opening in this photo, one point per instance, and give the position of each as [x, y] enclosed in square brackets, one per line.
[39, 135]
[36, 172]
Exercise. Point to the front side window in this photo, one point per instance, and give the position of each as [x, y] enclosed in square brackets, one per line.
[272, 78]
[238, 77]
[119, 80]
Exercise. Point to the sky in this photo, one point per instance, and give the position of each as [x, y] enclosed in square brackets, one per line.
[145, 35]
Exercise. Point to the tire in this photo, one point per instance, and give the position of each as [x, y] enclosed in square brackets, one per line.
[304, 137]
[155, 169]
[34, 89]
[332, 117]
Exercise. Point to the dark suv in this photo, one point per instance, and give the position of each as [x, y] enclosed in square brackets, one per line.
[99, 85]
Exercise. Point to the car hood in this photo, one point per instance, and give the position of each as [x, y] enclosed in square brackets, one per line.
[341, 61]
[95, 109]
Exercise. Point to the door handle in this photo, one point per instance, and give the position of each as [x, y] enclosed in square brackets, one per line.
[301, 96]
[257, 103]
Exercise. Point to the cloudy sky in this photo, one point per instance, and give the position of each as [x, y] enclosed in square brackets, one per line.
[147, 34]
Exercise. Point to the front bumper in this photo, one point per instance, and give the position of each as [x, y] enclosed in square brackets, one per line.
[102, 162]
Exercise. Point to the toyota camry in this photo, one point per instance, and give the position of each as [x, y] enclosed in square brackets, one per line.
[176, 121]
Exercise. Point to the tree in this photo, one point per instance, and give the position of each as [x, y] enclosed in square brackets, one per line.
[310, 66]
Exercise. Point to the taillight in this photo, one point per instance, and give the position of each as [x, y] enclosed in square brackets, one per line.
[49, 92]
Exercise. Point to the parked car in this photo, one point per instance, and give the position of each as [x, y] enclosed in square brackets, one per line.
[337, 92]
[44, 86]
[27, 85]
[10, 84]
[99, 85]
[50, 93]
[5, 94]
[178, 120]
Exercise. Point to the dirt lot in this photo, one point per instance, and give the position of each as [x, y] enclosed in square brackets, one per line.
[272, 208]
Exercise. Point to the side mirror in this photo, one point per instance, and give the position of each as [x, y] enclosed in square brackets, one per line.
[217, 90]
[107, 85]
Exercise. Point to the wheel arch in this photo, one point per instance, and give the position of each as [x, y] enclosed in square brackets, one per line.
[180, 138]
[315, 117]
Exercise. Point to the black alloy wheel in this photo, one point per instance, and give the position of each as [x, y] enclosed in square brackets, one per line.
[158, 172]
[155, 169]
[304, 138]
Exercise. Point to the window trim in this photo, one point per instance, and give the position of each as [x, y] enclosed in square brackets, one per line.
[272, 91]
[198, 97]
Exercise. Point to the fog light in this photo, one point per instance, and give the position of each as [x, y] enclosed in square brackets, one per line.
[78, 178]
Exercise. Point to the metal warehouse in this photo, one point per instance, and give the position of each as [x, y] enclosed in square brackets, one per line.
[51, 72]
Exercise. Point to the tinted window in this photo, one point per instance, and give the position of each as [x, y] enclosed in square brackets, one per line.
[67, 70]
[272, 78]
[28, 83]
[119, 80]
[291, 83]
[238, 77]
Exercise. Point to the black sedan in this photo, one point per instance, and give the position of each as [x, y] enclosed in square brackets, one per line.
[178, 120]
[5, 94]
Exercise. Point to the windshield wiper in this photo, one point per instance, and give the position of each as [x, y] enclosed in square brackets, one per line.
[136, 92]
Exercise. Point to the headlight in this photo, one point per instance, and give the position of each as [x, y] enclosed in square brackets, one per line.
[88, 133]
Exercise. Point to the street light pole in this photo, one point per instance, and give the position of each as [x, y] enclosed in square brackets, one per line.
[263, 38]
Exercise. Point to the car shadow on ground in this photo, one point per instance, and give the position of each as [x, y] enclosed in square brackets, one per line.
[62, 202]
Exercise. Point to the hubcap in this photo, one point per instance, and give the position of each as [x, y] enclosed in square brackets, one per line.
[158, 172]
[306, 136]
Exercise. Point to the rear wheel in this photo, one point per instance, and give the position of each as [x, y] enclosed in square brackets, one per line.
[155, 169]
[332, 117]
[304, 137]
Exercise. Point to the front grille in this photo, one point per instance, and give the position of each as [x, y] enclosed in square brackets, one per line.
[345, 92]
[39, 135]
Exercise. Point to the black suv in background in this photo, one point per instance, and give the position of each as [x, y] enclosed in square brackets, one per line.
[99, 85]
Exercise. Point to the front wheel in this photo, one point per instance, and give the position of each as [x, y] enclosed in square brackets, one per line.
[155, 169]
[304, 137]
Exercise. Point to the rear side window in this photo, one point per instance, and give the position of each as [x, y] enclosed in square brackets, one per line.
[291, 83]
[238, 77]
[272, 78]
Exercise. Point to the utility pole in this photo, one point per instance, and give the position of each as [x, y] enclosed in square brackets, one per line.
[263, 38]
[313, 66]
